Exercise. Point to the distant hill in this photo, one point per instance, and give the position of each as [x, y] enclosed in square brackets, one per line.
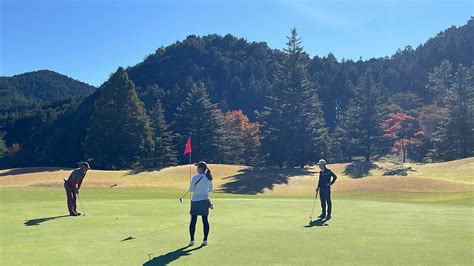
[37, 88]
[237, 74]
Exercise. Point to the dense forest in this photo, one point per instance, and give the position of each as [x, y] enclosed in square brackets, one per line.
[37, 88]
[244, 103]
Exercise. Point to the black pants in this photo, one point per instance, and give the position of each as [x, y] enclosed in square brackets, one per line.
[325, 197]
[192, 226]
[71, 196]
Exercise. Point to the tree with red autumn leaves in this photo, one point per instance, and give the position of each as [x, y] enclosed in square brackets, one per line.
[401, 128]
[247, 135]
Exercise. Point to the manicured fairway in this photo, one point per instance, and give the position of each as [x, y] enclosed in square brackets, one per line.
[246, 230]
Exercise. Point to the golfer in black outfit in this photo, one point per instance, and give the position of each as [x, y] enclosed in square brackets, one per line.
[324, 187]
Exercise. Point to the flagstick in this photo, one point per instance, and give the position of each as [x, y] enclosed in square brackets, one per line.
[190, 175]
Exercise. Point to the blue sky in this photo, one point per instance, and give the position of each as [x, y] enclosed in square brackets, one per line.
[89, 39]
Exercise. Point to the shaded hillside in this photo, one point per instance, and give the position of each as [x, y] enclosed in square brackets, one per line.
[37, 88]
[238, 74]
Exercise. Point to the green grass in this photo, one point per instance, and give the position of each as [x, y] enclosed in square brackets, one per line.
[254, 230]
[458, 170]
[424, 218]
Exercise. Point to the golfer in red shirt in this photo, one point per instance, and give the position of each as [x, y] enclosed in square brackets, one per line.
[72, 186]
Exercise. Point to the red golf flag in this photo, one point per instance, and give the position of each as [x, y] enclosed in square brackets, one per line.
[188, 148]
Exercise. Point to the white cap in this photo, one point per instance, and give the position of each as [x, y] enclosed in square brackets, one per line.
[322, 161]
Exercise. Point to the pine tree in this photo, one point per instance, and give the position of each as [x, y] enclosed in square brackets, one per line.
[164, 153]
[200, 119]
[441, 80]
[119, 134]
[361, 122]
[454, 138]
[293, 127]
[273, 132]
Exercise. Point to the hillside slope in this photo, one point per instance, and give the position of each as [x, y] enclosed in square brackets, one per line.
[39, 87]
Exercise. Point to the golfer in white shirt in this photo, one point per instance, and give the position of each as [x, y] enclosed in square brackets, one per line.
[201, 185]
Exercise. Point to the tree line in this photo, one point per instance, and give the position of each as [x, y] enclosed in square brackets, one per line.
[243, 103]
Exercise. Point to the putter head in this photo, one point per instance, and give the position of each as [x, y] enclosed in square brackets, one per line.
[181, 200]
[128, 238]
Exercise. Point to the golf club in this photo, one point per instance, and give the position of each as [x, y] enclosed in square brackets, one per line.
[80, 202]
[181, 198]
[152, 232]
[314, 203]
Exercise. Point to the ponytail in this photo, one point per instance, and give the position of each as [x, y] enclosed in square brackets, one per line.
[208, 174]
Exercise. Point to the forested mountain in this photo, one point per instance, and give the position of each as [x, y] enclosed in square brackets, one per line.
[431, 85]
[236, 73]
[39, 87]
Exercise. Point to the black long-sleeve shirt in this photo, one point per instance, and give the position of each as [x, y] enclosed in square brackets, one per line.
[325, 178]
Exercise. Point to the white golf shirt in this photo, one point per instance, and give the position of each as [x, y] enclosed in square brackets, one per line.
[201, 189]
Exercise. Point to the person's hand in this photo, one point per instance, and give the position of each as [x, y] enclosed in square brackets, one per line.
[77, 191]
[328, 184]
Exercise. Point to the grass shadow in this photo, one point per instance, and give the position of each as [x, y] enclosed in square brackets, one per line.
[39, 221]
[252, 181]
[136, 171]
[318, 222]
[28, 170]
[398, 170]
[359, 169]
[169, 257]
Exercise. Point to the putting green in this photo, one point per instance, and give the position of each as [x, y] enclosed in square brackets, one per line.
[250, 230]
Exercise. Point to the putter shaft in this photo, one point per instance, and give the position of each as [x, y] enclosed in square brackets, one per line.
[80, 202]
[314, 204]
[182, 197]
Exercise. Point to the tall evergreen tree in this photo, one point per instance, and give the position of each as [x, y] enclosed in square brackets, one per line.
[164, 153]
[293, 124]
[273, 131]
[454, 137]
[119, 134]
[441, 80]
[200, 119]
[361, 124]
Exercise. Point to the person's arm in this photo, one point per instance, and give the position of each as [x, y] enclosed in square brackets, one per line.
[334, 177]
[191, 186]
[210, 187]
[79, 184]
